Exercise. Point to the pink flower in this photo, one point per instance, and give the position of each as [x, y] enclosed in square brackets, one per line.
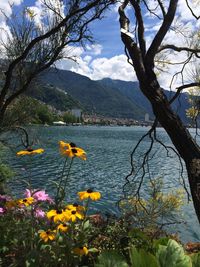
[39, 213]
[42, 196]
[4, 198]
[2, 210]
[38, 195]
[28, 193]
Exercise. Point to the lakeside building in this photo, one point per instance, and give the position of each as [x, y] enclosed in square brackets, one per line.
[76, 112]
[59, 123]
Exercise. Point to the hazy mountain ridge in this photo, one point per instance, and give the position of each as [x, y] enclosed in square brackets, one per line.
[114, 98]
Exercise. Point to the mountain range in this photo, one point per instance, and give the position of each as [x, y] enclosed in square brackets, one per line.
[112, 98]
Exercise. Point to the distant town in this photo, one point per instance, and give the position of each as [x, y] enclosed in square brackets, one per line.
[96, 119]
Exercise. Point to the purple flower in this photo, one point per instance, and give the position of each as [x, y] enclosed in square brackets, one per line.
[28, 193]
[4, 198]
[38, 195]
[2, 210]
[39, 213]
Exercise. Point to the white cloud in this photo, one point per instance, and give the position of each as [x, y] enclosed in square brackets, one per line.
[5, 6]
[94, 49]
[5, 9]
[115, 67]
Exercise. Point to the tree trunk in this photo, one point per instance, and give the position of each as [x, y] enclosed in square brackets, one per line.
[193, 169]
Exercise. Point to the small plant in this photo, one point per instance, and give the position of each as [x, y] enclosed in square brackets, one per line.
[156, 210]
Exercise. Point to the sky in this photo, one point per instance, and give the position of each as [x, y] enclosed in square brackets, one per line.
[106, 58]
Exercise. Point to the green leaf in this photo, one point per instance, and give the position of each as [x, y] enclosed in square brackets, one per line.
[141, 258]
[43, 247]
[93, 250]
[195, 257]
[162, 241]
[86, 225]
[137, 233]
[111, 259]
[173, 255]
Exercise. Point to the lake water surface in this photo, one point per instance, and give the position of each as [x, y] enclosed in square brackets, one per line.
[108, 162]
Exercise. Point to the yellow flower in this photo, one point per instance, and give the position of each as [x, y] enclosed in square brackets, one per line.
[48, 235]
[75, 206]
[81, 251]
[72, 215]
[89, 194]
[56, 215]
[30, 151]
[70, 150]
[11, 204]
[26, 201]
[63, 227]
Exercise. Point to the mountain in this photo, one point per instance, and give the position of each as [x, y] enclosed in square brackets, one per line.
[94, 96]
[132, 91]
[107, 97]
[53, 96]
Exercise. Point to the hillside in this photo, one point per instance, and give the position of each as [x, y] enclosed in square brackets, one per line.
[94, 96]
[114, 98]
[132, 91]
[53, 96]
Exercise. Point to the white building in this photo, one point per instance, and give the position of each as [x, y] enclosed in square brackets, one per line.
[76, 112]
[59, 123]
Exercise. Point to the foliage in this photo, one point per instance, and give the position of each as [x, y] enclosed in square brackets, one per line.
[52, 95]
[193, 111]
[69, 118]
[153, 209]
[195, 257]
[6, 173]
[110, 259]
[141, 258]
[171, 254]
[28, 110]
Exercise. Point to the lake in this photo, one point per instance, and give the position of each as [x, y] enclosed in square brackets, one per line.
[108, 162]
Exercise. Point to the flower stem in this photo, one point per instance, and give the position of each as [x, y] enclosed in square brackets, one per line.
[66, 180]
[60, 183]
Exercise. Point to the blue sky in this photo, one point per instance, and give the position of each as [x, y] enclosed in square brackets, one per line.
[106, 57]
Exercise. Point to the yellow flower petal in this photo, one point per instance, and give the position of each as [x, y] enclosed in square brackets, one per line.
[48, 235]
[30, 151]
[81, 251]
[26, 201]
[70, 150]
[89, 194]
[56, 215]
[63, 227]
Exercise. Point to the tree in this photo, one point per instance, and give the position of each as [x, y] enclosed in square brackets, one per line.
[31, 48]
[144, 59]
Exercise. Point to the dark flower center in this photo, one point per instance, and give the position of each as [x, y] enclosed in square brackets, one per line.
[64, 225]
[59, 212]
[25, 200]
[74, 150]
[72, 145]
[29, 149]
[75, 205]
[73, 212]
[48, 232]
[89, 191]
[81, 248]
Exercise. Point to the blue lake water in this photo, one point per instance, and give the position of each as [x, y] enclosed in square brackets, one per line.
[108, 162]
